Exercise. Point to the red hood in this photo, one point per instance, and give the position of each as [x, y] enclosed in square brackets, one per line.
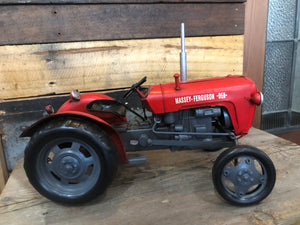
[232, 92]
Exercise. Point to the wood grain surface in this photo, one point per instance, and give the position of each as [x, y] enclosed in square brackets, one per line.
[171, 188]
[256, 13]
[33, 24]
[34, 70]
[3, 168]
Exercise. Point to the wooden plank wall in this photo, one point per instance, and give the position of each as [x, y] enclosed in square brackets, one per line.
[61, 23]
[51, 47]
[42, 69]
[141, 42]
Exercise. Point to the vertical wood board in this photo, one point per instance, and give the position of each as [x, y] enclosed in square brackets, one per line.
[34, 70]
[254, 48]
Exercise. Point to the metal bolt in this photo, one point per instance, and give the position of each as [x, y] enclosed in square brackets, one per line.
[68, 167]
[246, 176]
[226, 173]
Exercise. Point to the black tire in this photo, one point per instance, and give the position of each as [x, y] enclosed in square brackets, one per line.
[243, 175]
[70, 160]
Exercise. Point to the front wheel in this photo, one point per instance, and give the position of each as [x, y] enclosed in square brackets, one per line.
[70, 161]
[243, 175]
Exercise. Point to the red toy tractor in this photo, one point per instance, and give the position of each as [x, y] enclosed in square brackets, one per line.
[74, 153]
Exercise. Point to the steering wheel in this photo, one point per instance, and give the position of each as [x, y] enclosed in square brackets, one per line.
[134, 87]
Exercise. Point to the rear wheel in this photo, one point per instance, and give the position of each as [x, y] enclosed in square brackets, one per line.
[70, 161]
[244, 175]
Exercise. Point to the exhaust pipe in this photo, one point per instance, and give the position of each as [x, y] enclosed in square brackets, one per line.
[183, 66]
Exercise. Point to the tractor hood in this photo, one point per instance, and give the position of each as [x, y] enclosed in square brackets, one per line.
[238, 94]
[166, 98]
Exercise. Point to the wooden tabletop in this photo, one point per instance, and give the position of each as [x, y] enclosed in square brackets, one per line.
[170, 188]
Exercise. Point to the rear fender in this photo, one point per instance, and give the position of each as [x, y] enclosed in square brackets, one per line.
[85, 105]
[113, 134]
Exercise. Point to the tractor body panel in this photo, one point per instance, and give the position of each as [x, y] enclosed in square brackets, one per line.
[98, 105]
[232, 92]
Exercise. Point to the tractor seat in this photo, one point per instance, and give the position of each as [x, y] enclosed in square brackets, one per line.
[107, 106]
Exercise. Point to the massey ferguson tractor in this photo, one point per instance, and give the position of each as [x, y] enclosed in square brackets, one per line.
[74, 153]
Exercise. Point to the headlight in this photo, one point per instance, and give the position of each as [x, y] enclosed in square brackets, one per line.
[75, 95]
[49, 110]
[257, 98]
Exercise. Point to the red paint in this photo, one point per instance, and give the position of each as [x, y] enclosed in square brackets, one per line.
[177, 82]
[85, 99]
[232, 92]
[256, 98]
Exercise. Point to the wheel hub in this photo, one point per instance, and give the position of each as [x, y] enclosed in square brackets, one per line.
[245, 177]
[68, 165]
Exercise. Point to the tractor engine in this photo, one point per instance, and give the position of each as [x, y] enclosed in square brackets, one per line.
[190, 123]
[207, 128]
